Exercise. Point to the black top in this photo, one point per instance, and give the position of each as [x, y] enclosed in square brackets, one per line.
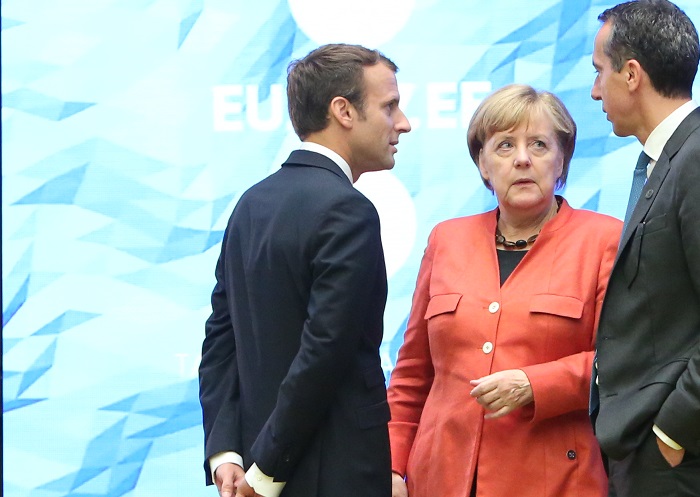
[508, 261]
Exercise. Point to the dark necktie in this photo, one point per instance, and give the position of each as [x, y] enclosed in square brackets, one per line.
[638, 180]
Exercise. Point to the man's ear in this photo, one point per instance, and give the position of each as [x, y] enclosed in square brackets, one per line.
[634, 73]
[342, 111]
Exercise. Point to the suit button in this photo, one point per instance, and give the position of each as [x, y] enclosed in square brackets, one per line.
[649, 193]
[571, 454]
[487, 347]
[493, 307]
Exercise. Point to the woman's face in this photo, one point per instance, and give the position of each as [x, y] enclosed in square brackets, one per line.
[523, 164]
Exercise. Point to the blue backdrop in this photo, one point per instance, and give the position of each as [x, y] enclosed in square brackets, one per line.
[129, 130]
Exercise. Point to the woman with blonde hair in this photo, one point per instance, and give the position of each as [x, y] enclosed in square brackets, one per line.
[489, 396]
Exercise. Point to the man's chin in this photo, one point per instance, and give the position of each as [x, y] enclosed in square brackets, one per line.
[386, 166]
[618, 131]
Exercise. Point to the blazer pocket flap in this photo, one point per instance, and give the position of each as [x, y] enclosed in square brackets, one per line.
[654, 224]
[668, 373]
[440, 304]
[374, 415]
[559, 305]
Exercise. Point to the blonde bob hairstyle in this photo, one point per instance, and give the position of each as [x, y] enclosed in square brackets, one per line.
[513, 105]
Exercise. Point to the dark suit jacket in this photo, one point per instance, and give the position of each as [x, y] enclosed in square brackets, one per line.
[649, 335]
[290, 374]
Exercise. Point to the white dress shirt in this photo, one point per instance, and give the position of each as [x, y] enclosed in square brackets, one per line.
[661, 134]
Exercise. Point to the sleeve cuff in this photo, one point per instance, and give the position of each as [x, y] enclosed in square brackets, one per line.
[263, 484]
[666, 439]
[221, 458]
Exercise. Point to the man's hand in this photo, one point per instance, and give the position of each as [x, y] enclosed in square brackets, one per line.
[398, 486]
[673, 457]
[228, 477]
[502, 392]
[245, 490]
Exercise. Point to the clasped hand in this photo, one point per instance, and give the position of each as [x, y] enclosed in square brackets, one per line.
[230, 481]
[503, 392]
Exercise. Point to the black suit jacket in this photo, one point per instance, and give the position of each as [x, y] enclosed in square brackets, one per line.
[649, 334]
[290, 374]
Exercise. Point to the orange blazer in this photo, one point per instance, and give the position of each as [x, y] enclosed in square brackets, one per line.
[464, 325]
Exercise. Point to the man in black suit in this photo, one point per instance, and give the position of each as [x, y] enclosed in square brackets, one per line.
[291, 384]
[648, 344]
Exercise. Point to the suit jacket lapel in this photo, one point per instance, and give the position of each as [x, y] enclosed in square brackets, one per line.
[658, 175]
[651, 189]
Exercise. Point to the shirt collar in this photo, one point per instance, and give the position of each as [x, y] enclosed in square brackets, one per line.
[661, 134]
[320, 149]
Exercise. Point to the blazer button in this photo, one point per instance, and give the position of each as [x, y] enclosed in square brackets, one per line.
[487, 347]
[493, 307]
[571, 454]
[649, 193]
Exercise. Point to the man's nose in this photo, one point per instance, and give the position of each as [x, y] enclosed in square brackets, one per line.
[403, 125]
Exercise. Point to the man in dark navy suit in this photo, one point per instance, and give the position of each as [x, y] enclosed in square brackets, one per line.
[291, 385]
[648, 344]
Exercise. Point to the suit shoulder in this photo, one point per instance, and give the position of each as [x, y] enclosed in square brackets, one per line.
[463, 224]
[338, 193]
[594, 219]
[595, 227]
[317, 192]
[692, 120]
[467, 221]
[686, 160]
[315, 182]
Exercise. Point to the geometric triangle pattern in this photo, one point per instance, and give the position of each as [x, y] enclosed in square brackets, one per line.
[129, 131]
[189, 21]
[65, 321]
[42, 105]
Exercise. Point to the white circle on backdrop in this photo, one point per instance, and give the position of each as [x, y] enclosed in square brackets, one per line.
[364, 22]
[397, 215]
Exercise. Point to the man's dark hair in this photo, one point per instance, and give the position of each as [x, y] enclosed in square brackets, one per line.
[334, 70]
[661, 37]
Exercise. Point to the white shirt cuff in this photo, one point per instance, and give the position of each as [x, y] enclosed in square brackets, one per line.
[666, 439]
[223, 457]
[263, 484]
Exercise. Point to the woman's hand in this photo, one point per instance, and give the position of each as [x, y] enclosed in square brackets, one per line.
[398, 486]
[502, 392]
